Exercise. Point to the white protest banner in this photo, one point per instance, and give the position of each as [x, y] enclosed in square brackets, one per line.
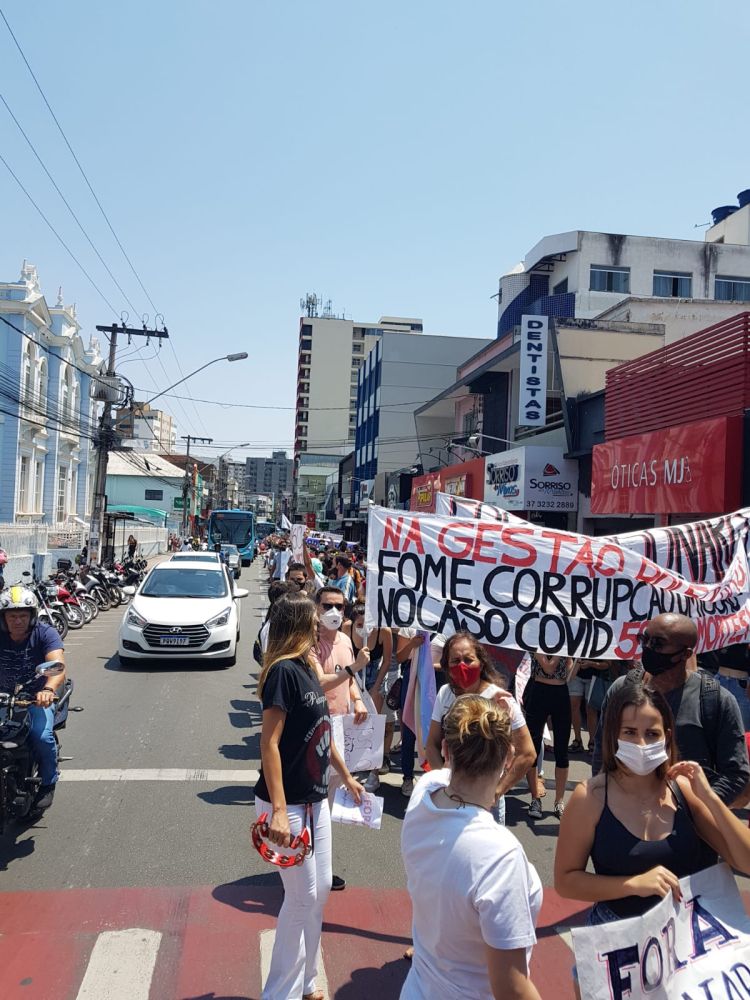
[446, 505]
[698, 550]
[360, 744]
[529, 587]
[345, 810]
[298, 542]
[286, 524]
[697, 949]
[532, 379]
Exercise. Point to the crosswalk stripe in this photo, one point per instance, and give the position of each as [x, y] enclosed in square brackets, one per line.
[243, 777]
[267, 938]
[121, 966]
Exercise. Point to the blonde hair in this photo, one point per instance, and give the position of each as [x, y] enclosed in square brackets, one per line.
[478, 735]
[291, 633]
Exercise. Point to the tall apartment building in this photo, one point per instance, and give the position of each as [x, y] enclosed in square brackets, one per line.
[331, 352]
[147, 429]
[269, 475]
[400, 374]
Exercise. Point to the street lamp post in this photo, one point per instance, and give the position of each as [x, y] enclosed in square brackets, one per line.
[225, 357]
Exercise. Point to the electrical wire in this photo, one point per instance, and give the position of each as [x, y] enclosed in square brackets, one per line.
[67, 204]
[59, 237]
[77, 161]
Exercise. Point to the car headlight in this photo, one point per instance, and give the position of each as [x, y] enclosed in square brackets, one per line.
[134, 618]
[219, 620]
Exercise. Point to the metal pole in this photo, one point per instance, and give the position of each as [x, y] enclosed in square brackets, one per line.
[100, 477]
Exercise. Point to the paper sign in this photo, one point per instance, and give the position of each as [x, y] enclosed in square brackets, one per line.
[361, 745]
[368, 813]
[696, 949]
[298, 542]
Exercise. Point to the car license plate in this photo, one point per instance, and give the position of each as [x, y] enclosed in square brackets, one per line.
[174, 640]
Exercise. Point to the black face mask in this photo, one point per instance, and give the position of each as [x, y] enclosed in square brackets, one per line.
[656, 663]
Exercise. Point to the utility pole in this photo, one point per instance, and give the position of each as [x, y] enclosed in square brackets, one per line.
[106, 436]
[185, 485]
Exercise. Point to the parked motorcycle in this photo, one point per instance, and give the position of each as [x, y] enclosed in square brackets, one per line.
[94, 588]
[52, 615]
[19, 773]
[61, 599]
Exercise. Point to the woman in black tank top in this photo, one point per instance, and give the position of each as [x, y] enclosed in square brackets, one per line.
[645, 821]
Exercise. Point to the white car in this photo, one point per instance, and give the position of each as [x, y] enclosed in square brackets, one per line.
[209, 557]
[183, 610]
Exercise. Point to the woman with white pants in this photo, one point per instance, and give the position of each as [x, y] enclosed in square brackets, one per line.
[296, 749]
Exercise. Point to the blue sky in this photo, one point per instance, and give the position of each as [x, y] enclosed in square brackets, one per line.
[393, 157]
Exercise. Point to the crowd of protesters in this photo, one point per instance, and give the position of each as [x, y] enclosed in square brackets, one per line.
[665, 738]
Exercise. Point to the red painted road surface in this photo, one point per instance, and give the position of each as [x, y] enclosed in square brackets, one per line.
[210, 947]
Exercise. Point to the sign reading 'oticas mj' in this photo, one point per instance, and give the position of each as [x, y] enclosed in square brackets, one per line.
[689, 469]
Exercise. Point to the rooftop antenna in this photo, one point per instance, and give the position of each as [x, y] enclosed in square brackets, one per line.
[309, 304]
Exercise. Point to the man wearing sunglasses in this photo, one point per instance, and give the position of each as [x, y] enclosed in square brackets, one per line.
[708, 726]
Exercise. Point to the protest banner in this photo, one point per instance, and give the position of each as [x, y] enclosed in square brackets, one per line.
[528, 587]
[697, 949]
[298, 542]
[447, 505]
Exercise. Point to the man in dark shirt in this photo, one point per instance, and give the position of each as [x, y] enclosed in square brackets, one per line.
[708, 726]
[24, 643]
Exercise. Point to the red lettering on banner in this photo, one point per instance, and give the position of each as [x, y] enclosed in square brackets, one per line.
[414, 534]
[601, 568]
[583, 557]
[480, 542]
[557, 538]
[628, 646]
[468, 542]
[514, 537]
[392, 534]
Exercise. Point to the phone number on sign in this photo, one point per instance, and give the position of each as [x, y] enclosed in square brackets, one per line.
[550, 505]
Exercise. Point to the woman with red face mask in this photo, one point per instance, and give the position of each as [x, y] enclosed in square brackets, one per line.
[470, 671]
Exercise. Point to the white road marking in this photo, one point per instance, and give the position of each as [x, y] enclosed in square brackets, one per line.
[267, 938]
[244, 777]
[121, 966]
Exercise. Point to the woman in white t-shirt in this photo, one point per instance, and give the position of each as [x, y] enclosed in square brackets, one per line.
[469, 670]
[475, 897]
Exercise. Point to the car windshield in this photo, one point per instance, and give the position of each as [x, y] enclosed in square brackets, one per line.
[185, 582]
[231, 550]
[194, 557]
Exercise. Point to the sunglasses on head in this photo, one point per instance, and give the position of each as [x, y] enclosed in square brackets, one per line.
[328, 606]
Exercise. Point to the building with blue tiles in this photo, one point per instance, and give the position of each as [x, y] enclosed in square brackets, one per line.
[47, 413]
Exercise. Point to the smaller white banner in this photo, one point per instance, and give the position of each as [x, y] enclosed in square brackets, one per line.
[368, 813]
[532, 385]
[361, 745]
[697, 949]
[298, 542]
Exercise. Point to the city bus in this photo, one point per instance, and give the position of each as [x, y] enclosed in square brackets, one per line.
[263, 529]
[236, 527]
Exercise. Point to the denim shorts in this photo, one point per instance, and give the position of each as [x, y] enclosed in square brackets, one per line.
[577, 687]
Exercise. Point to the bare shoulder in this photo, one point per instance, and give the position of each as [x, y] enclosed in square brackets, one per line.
[588, 797]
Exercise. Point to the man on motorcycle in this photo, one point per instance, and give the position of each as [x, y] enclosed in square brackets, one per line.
[24, 643]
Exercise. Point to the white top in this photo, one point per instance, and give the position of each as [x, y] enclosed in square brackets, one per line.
[470, 884]
[446, 697]
[263, 636]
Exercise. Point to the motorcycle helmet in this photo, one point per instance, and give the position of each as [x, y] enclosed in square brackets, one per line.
[19, 598]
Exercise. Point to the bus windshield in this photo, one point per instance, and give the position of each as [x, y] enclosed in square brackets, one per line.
[232, 526]
[263, 529]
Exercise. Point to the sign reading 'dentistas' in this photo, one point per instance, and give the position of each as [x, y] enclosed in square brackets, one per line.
[532, 389]
[531, 478]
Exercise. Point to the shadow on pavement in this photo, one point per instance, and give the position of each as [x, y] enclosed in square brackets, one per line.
[155, 666]
[373, 984]
[15, 845]
[229, 795]
[253, 894]
[215, 996]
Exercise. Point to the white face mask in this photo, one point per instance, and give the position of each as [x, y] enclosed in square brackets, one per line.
[642, 760]
[361, 632]
[332, 619]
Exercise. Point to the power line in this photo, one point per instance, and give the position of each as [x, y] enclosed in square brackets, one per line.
[67, 204]
[59, 237]
[77, 161]
[50, 351]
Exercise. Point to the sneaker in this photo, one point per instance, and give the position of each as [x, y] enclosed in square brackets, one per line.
[386, 767]
[338, 883]
[44, 797]
[395, 751]
[576, 746]
[559, 809]
[373, 782]
[407, 786]
[535, 809]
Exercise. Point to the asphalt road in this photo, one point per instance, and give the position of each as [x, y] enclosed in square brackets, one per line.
[110, 830]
